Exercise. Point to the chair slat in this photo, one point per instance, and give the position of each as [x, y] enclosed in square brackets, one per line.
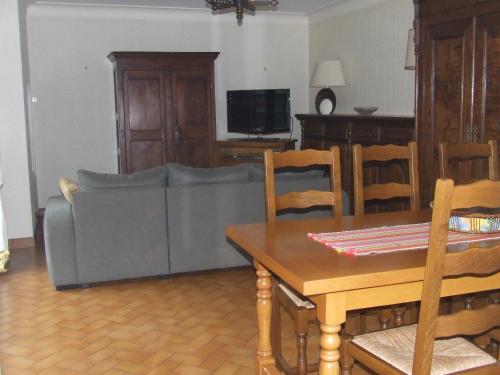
[475, 261]
[312, 198]
[468, 322]
[363, 193]
[305, 158]
[386, 191]
[386, 153]
[468, 151]
[305, 199]
[485, 194]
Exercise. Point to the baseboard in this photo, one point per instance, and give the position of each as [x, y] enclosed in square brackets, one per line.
[21, 243]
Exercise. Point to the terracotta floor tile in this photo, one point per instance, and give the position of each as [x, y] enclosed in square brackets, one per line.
[196, 324]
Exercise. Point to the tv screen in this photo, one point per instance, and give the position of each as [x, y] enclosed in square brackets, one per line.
[258, 111]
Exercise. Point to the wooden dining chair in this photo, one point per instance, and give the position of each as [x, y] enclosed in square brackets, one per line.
[455, 163]
[414, 348]
[467, 151]
[363, 193]
[301, 310]
[388, 190]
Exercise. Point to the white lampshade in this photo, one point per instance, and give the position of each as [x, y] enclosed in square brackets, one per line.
[410, 51]
[327, 73]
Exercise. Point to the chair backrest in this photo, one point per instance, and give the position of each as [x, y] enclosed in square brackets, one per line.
[306, 199]
[469, 151]
[388, 190]
[476, 260]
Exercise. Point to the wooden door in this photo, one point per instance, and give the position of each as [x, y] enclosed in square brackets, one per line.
[486, 124]
[193, 127]
[144, 121]
[445, 107]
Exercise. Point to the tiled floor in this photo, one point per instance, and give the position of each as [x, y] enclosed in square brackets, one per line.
[187, 325]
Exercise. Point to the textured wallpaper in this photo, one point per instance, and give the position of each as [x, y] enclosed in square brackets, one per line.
[371, 44]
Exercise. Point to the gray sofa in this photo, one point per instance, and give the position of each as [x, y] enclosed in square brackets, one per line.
[163, 221]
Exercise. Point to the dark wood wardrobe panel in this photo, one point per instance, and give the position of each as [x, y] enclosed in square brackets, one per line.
[165, 108]
[192, 108]
[144, 119]
[458, 67]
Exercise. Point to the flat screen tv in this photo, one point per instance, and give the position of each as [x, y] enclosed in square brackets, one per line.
[258, 111]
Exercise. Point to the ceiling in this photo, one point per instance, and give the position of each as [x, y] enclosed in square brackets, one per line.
[293, 6]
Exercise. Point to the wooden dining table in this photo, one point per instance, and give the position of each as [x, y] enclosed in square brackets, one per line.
[336, 282]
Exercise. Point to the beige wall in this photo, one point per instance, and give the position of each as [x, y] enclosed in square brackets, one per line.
[371, 44]
[13, 138]
[73, 119]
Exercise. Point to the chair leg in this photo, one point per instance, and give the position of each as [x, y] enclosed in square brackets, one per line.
[384, 317]
[398, 311]
[346, 361]
[301, 331]
[492, 349]
[354, 324]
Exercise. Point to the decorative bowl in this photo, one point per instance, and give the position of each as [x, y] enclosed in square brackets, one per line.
[365, 111]
[475, 220]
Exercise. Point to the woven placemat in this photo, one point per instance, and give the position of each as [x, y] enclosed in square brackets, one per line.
[390, 239]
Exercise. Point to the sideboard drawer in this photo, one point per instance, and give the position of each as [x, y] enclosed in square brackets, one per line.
[365, 134]
[314, 129]
[397, 136]
[316, 144]
[336, 132]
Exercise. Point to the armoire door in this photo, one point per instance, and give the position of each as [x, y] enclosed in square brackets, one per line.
[144, 120]
[192, 107]
[486, 122]
[447, 62]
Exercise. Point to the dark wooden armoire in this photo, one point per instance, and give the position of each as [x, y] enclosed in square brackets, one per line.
[165, 108]
[458, 82]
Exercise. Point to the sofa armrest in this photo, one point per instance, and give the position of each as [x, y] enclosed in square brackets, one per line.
[120, 234]
[60, 249]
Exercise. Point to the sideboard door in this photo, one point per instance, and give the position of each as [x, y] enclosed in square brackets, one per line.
[193, 135]
[447, 56]
[144, 120]
[486, 120]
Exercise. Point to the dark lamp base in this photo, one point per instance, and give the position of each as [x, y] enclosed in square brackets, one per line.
[325, 101]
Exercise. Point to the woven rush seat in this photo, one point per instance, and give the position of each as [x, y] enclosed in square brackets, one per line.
[296, 299]
[396, 346]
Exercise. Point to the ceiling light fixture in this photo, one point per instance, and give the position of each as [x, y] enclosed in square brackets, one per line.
[240, 6]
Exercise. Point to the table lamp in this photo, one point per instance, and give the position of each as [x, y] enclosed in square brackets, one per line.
[327, 73]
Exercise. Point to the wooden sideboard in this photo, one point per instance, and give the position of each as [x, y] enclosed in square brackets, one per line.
[323, 131]
[237, 151]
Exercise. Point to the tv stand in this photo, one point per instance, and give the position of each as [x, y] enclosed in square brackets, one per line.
[234, 151]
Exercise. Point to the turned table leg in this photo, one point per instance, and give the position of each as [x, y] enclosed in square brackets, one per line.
[264, 308]
[331, 313]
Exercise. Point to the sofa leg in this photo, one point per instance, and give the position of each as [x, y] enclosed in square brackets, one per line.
[85, 286]
[163, 277]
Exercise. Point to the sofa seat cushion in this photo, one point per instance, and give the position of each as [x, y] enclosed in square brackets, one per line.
[396, 346]
[90, 181]
[180, 175]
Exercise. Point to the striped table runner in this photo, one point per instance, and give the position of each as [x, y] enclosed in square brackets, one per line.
[389, 239]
